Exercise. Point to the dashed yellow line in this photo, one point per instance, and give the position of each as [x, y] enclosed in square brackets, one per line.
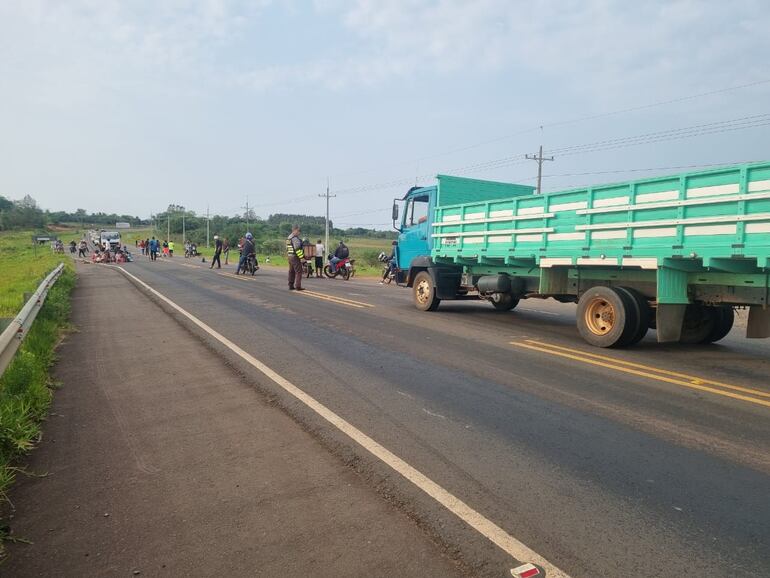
[647, 371]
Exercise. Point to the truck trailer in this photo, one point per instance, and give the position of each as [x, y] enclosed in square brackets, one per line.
[677, 253]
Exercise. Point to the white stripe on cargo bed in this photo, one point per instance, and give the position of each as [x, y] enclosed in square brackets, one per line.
[757, 227]
[566, 236]
[690, 221]
[713, 190]
[661, 196]
[455, 505]
[611, 202]
[568, 206]
[710, 230]
[757, 186]
[613, 234]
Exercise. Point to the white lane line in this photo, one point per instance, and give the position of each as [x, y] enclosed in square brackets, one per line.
[484, 526]
[429, 412]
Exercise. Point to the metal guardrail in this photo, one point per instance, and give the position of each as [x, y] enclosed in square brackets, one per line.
[14, 334]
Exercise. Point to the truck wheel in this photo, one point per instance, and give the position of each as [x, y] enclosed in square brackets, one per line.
[725, 317]
[504, 301]
[425, 292]
[699, 323]
[606, 317]
[643, 314]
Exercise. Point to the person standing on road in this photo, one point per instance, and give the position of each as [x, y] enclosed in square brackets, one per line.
[296, 254]
[171, 248]
[319, 258]
[154, 249]
[226, 250]
[82, 248]
[217, 252]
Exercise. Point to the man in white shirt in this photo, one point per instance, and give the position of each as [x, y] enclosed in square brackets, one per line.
[319, 258]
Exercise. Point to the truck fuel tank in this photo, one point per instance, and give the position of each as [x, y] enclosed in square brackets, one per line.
[501, 283]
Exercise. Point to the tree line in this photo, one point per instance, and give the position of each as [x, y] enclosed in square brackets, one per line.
[26, 214]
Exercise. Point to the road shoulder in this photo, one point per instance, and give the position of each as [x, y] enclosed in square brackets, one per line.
[162, 460]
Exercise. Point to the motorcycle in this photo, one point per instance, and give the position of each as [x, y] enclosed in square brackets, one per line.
[251, 265]
[344, 269]
[388, 272]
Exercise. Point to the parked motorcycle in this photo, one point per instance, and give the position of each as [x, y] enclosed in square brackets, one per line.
[343, 269]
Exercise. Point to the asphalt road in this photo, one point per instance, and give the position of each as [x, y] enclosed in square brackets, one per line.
[653, 461]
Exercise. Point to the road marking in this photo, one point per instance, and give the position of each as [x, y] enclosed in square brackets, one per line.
[335, 299]
[693, 379]
[433, 414]
[455, 505]
[643, 371]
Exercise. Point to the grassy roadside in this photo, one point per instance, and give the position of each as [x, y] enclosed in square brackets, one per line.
[25, 386]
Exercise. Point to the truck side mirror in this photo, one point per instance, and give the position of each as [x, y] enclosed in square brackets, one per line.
[395, 211]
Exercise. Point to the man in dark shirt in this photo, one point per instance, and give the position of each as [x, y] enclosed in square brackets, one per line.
[217, 252]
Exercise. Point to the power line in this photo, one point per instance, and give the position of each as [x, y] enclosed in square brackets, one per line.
[570, 121]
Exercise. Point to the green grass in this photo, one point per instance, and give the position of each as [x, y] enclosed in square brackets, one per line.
[23, 266]
[25, 386]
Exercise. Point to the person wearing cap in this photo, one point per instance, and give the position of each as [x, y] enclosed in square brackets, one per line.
[295, 253]
[217, 252]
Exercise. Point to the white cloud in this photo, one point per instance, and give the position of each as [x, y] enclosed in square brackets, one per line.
[612, 41]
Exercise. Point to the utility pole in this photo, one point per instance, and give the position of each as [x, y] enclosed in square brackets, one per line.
[539, 158]
[168, 223]
[208, 221]
[184, 238]
[328, 196]
[247, 212]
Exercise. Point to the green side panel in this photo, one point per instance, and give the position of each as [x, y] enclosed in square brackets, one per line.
[459, 190]
[708, 219]
[672, 286]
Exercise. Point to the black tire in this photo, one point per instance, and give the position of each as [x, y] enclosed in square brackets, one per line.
[699, 323]
[643, 313]
[425, 292]
[607, 317]
[504, 302]
[346, 273]
[329, 272]
[724, 323]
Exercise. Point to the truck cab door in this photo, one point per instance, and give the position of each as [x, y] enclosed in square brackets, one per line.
[414, 239]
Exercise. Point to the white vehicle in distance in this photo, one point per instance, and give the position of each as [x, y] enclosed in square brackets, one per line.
[111, 237]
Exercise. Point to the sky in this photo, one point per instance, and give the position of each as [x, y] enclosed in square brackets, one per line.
[129, 106]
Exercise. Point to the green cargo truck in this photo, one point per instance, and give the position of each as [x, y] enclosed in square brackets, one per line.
[676, 253]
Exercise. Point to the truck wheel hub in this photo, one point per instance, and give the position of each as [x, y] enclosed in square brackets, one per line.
[600, 317]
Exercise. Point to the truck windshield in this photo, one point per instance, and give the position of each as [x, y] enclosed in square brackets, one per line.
[417, 211]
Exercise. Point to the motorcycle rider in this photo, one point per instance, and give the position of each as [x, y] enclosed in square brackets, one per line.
[340, 253]
[246, 250]
[392, 263]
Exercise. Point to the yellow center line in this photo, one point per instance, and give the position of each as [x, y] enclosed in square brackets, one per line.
[640, 373]
[323, 296]
[340, 300]
[691, 378]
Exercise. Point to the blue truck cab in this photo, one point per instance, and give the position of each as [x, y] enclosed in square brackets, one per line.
[414, 224]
